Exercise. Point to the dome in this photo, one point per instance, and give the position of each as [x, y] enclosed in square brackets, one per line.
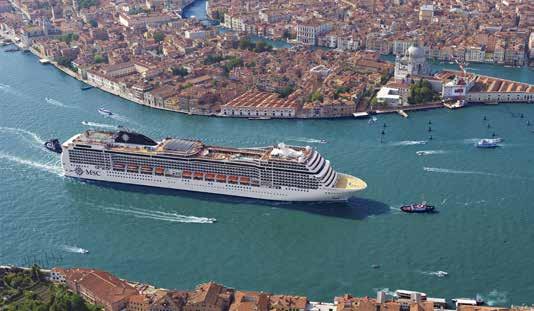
[416, 52]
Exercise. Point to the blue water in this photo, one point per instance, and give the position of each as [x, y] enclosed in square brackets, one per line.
[482, 234]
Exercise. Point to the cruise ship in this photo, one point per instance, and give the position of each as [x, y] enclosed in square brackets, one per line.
[280, 173]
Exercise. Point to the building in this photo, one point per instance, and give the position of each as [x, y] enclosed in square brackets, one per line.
[389, 96]
[455, 85]
[97, 287]
[288, 303]
[308, 31]
[426, 13]
[209, 297]
[250, 301]
[412, 64]
[256, 104]
[160, 300]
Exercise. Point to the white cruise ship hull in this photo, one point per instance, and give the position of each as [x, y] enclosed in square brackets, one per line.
[90, 172]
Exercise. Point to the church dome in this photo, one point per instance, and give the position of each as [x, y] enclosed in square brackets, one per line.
[416, 52]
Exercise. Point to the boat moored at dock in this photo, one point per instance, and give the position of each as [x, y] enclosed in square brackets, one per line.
[281, 173]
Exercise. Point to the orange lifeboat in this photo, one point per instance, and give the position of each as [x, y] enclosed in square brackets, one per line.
[198, 175]
[133, 168]
[221, 178]
[232, 179]
[210, 176]
[159, 170]
[187, 174]
[244, 180]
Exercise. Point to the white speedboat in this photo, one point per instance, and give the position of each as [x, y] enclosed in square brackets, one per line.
[104, 111]
[486, 144]
[441, 274]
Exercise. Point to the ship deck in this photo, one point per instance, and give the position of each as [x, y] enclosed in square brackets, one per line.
[349, 182]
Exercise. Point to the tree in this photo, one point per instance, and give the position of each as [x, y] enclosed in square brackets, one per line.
[285, 91]
[98, 58]
[212, 59]
[68, 38]
[421, 92]
[36, 273]
[63, 61]
[159, 36]
[93, 23]
[83, 4]
[179, 71]
[315, 96]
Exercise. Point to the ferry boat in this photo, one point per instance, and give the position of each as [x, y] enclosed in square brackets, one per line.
[104, 111]
[280, 173]
[487, 143]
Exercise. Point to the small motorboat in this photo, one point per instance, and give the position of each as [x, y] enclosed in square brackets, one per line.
[44, 61]
[495, 140]
[105, 112]
[417, 208]
[487, 143]
[53, 145]
[441, 274]
[86, 87]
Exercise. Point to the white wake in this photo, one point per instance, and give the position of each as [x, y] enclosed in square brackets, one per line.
[101, 125]
[57, 103]
[24, 133]
[74, 249]
[158, 215]
[47, 167]
[409, 143]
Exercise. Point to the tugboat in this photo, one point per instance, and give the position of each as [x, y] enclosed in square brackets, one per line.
[53, 145]
[487, 143]
[105, 112]
[417, 208]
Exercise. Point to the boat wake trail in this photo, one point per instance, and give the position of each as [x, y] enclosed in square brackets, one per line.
[409, 143]
[101, 125]
[494, 298]
[471, 141]
[57, 103]
[308, 140]
[74, 249]
[27, 135]
[429, 152]
[158, 215]
[449, 171]
[439, 273]
[53, 168]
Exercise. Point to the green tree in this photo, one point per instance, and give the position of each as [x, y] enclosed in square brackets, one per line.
[159, 36]
[315, 96]
[83, 4]
[98, 59]
[179, 71]
[212, 59]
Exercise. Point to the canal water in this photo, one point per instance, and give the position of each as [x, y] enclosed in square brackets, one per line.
[482, 234]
